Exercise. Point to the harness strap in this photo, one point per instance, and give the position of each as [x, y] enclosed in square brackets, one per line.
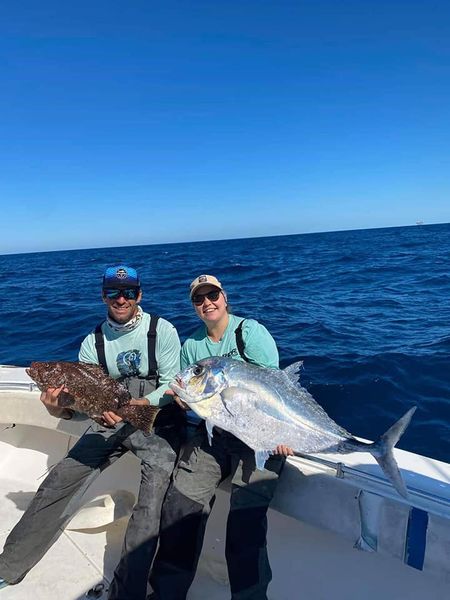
[100, 347]
[239, 341]
[151, 348]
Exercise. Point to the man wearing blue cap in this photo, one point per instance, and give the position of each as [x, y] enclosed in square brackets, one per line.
[143, 351]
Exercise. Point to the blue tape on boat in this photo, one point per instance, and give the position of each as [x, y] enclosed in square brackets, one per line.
[416, 538]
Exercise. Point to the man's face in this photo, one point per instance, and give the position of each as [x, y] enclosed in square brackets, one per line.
[122, 304]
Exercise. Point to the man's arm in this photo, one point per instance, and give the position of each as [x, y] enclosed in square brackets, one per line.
[49, 397]
[88, 353]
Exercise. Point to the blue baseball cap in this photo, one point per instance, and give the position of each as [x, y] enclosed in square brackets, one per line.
[121, 277]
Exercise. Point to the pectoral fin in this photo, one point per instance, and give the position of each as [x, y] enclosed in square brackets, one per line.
[65, 400]
[233, 398]
[209, 430]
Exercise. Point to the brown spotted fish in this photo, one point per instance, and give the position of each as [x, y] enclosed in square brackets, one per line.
[91, 391]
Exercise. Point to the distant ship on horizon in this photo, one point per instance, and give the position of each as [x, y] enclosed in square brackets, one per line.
[419, 222]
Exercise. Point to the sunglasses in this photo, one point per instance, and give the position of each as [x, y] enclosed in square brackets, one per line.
[198, 299]
[127, 293]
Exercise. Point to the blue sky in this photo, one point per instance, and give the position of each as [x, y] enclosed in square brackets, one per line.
[138, 122]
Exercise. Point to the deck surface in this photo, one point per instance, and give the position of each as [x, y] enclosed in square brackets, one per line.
[307, 563]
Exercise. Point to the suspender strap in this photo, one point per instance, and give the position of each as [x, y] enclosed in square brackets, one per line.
[239, 341]
[151, 346]
[100, 347]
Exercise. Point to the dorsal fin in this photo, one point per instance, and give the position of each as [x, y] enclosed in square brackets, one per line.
[292, 372]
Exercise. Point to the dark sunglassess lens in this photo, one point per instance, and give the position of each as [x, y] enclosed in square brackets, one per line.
[198, 299]
[128, 293]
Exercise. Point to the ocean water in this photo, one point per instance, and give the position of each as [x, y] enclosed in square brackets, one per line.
[367, 311]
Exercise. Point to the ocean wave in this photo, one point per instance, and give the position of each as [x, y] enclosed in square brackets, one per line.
[367, 312]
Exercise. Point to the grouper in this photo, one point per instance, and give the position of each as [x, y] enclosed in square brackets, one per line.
[266, 407]
[90, 391]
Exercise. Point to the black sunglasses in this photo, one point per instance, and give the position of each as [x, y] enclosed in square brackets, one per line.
[127, 293]
[198, 299]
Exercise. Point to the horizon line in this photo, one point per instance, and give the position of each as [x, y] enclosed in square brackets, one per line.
[416, 224]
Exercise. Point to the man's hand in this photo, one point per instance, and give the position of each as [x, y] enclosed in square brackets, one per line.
[49, 399]
[111, 418]
[178, 400]
[139, 402]
[284, 450]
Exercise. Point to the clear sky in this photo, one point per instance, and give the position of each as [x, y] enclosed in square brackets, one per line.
[137, 121]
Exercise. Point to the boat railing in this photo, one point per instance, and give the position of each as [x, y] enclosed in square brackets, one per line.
[27, 386]
[418, 497]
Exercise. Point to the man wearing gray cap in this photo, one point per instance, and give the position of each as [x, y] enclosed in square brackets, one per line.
[142, 351]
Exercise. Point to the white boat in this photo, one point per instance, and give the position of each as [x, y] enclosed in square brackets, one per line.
[336, 530]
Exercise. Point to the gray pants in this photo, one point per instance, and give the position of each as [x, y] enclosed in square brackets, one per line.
[187, 507]
[59, 497]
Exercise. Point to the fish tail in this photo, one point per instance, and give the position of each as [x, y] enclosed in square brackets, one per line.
[141, 417]
[382, 451]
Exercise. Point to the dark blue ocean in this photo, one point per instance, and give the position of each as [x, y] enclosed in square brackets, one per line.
[367, 311]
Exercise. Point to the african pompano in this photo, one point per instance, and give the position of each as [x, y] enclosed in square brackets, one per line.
[267, 407]
[91, 391]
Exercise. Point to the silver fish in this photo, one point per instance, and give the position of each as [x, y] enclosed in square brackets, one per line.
[267, 407]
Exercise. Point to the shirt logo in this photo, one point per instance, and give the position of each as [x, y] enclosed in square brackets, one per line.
[233, 352]
[128, 363]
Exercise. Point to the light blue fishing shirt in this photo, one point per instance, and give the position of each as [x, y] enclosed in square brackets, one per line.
[126, 354]
[259, 346]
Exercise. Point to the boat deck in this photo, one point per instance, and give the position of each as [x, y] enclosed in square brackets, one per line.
[307, 562]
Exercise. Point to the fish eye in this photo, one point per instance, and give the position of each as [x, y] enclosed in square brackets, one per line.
[198, 370]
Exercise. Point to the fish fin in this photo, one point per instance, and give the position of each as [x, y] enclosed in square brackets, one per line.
[223, 397]
[292, 371]
[234, 396]
[260, 458]
[381, 450]
[65, 400]
[141, 417]
[209, 430]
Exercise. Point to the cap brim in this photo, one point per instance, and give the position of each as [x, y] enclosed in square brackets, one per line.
[203, 285]
[120, 286]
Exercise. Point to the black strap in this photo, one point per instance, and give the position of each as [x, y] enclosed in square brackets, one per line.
[151, 348]
[100, 347]
[239, 341]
